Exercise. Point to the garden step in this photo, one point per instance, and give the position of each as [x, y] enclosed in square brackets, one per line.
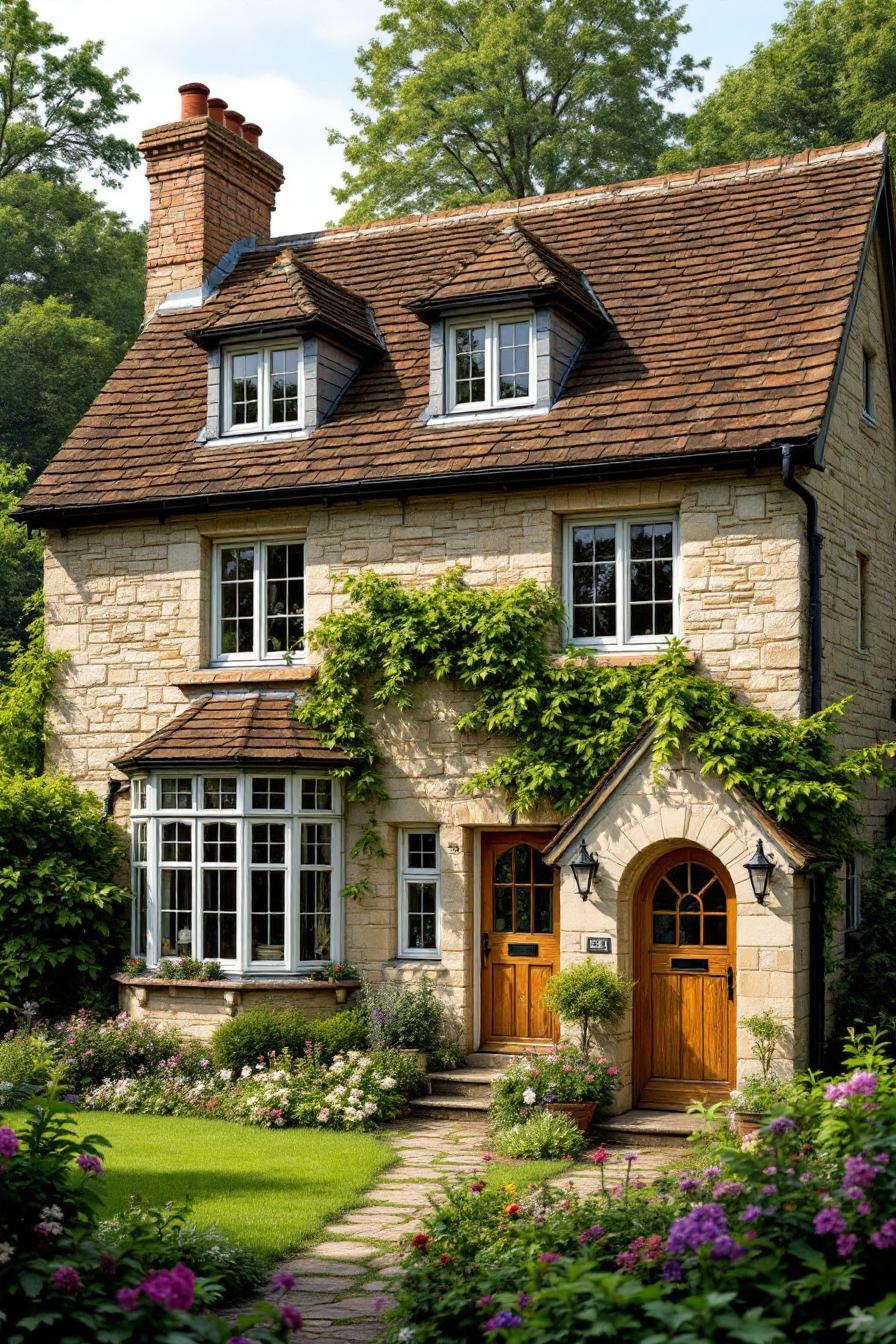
[462, 1082]
[657, 1129]
[484, 1059]
[451, 1108]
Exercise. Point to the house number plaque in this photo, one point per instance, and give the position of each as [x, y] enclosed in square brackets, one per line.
[599, 943]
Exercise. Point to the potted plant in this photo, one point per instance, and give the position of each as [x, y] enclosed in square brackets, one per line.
[566, 1081]
[591, 996]
[752, 1103]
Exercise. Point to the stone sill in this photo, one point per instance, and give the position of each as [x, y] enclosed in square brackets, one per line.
[613, 659]
[245, 676]
[242, 983]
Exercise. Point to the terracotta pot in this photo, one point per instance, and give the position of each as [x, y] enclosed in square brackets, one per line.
[419, 1056]
[745, 1123]
[582, 1112]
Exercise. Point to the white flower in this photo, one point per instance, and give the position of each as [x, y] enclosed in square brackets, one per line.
[245, 1071]
[529, 1097]
[226, 1074]
[387, 1084]
[5, 1251]
[407, 1334]
[370, 1108]
[52, 1211]
[323, 1115]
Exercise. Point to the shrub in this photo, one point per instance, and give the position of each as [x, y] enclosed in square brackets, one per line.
[91, 1050]
[260, 1032]
[589, 995]
[566, 1075]
[402, 1017]
[544, 1134]
[25, 1058]
[188, 968]
[63, 916]
[865, 990]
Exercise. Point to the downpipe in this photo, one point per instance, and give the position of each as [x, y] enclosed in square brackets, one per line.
[814, 538]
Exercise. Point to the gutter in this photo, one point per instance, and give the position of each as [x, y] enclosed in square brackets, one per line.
[815, 539]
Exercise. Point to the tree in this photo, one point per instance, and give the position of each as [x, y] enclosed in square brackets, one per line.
[20, 557]
[56, 108]
[487, 99]
[826, 75]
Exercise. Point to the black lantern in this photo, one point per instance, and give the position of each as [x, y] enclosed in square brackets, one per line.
[760, 868]
[584, 869]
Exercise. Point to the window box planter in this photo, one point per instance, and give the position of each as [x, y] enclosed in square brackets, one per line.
[196, 1007]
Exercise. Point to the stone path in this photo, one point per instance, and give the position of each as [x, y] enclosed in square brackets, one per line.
[343, 1282]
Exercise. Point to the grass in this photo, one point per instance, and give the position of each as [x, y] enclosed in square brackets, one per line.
[523, 1174]
[271, 1189]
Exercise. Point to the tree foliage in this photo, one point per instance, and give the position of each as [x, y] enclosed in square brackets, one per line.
[25, 694]
[20, 563]
[467, 100]
[826, 75]
[57, 107]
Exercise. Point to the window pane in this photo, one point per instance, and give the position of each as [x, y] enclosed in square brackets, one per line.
[284, 386]
[176, 794]
[139, 912]
[244, 389]
[593, 593]
[317, 795]
[177, 842]
[268, 844]
[715, 930]
[138, 842]
[268, 916]
[503, 911]
[422, 900]
[138, 795]
[650, 579]
[422, 851]
[664, 928]
[236, 592]
[513, 360]
[689, 931]
[219, 793]
[285, 598]
[314, 916]
[177, 912]
[219, 842]
[219, 914]
[269, 794]
[523, 910]
[469, 365]
[544, 898]
[316, 847]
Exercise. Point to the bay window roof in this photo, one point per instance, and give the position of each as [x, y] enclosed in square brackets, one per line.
[257, 728]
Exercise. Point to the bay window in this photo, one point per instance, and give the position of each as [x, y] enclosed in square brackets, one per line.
[258, 601]
[240, 868]
[263, 388]
[490, 363]
[621, 581]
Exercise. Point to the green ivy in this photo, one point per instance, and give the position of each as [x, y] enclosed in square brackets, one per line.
[566, 719]
[25, 693]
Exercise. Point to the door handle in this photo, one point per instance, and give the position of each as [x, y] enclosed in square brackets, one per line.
[730, 979]
[486, 949]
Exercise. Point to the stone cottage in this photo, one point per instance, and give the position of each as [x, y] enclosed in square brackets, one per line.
[657, 397]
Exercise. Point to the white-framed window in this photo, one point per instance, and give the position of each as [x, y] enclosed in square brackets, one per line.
[262, 388]
[490, 362]
[861, 601]
[621, 580]
[420, 898]
[238, 867]
[868, 384]
[258, 601]
[852, 892]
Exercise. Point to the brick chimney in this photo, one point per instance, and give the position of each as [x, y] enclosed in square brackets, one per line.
[209, 185]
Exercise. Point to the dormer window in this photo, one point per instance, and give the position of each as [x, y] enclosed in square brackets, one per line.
[490, 362]
[262, 388]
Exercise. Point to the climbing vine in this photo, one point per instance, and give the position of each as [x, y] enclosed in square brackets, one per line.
[25, 693]
[565, 719]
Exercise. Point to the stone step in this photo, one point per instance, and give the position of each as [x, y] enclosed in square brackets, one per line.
[462, 1082]
[484, 1059]
[451, 1107]
[649, 1129]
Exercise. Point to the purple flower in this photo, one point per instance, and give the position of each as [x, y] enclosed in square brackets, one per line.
[705, 1225]
[711, 1173]
[751, 1213]
[858, 1172]
[505, 1320]
[726, 1248]
[291, 1318]
[477, 1187]
[829, 1221]
[724, 1188]
[846, 1244]
[688, 1183]
[672, 1271]
[768, 1190]
[9, 1142]
[87, 1162]
[127, 1298]
[591, 1234]
[551, 1257]
[859, 1085]
[486, 1301]
[631, 1157]
[523, 1301]
[782, 1124]
[172, 1289]
[284, 1280]
[72, 1098]
[884, 1239]
[67, 1279]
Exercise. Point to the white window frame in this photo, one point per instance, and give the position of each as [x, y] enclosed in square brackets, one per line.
[264, 424]
[292, 816]
[852, 893]
[491, 322]
[258, 655]
[623, 640]
[408, 874]
[869, 390]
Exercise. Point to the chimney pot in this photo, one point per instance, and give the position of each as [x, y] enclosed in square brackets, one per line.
[216, 109]
[251, 132]
[233, 121]
[193, 100]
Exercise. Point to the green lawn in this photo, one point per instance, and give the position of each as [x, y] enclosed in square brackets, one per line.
[523, 1174]
[272, 1189]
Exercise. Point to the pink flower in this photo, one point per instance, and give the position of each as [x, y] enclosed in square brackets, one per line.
[127, 1298]
[600, 1156]
[67, 1279]
[291, 1318]
[9, 1142]
[477, 1187]
[612, 1070]
[87, 1162]
[488, 1157]
[549, 1257]
[283, 1280]
[846, 1244]
[884, 1239]
[172, 1289]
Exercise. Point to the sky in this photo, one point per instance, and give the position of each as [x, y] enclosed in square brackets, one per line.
[289, 65]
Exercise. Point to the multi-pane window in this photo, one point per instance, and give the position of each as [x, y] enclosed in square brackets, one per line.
[852, 893]
[237, 868]
[420, 897]
[620, 581]
[489, 363]
[259, 601]
[262, 388]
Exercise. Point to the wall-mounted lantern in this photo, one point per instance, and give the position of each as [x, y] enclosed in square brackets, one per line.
[760, 868]
[584, 869]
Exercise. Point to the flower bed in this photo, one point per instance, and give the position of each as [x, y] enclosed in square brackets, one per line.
[789, 1235]
[565, 1077]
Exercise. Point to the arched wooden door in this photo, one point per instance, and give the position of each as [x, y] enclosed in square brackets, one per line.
[686, 961]
[520, 940]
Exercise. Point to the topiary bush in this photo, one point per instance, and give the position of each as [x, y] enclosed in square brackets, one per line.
[544, 1134]
[260, 1032]
[588, 995]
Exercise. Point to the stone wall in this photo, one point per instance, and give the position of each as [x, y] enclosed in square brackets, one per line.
[197, 1010]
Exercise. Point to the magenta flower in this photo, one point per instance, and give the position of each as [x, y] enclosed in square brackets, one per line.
[551, 1257]
[884, 1239]
[488, 1157]
[829, 1221]
[523, 1301]
[712, 1173]
[846, 1244]
[127, 1298]
[291, 1318]
[751, 1213]
[67, 1279]
[858, 1173]
[505, 1320]
[688, 1184]
[9, 1142]
[283, 1280]
[87, 1162]
[591, 1234]
[861, 1084]
[486, 1301]
[172, 1289]
[600, 1156]
[723, 1188]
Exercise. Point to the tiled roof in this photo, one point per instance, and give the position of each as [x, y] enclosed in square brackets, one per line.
[234, 730]
[728, 289]
[293, 293]
[513, 261]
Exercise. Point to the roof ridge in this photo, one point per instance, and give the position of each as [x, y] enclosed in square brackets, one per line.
[693, 178]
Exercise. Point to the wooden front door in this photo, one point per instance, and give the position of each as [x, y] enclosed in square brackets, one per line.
[520, 940]
[685, 1014]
